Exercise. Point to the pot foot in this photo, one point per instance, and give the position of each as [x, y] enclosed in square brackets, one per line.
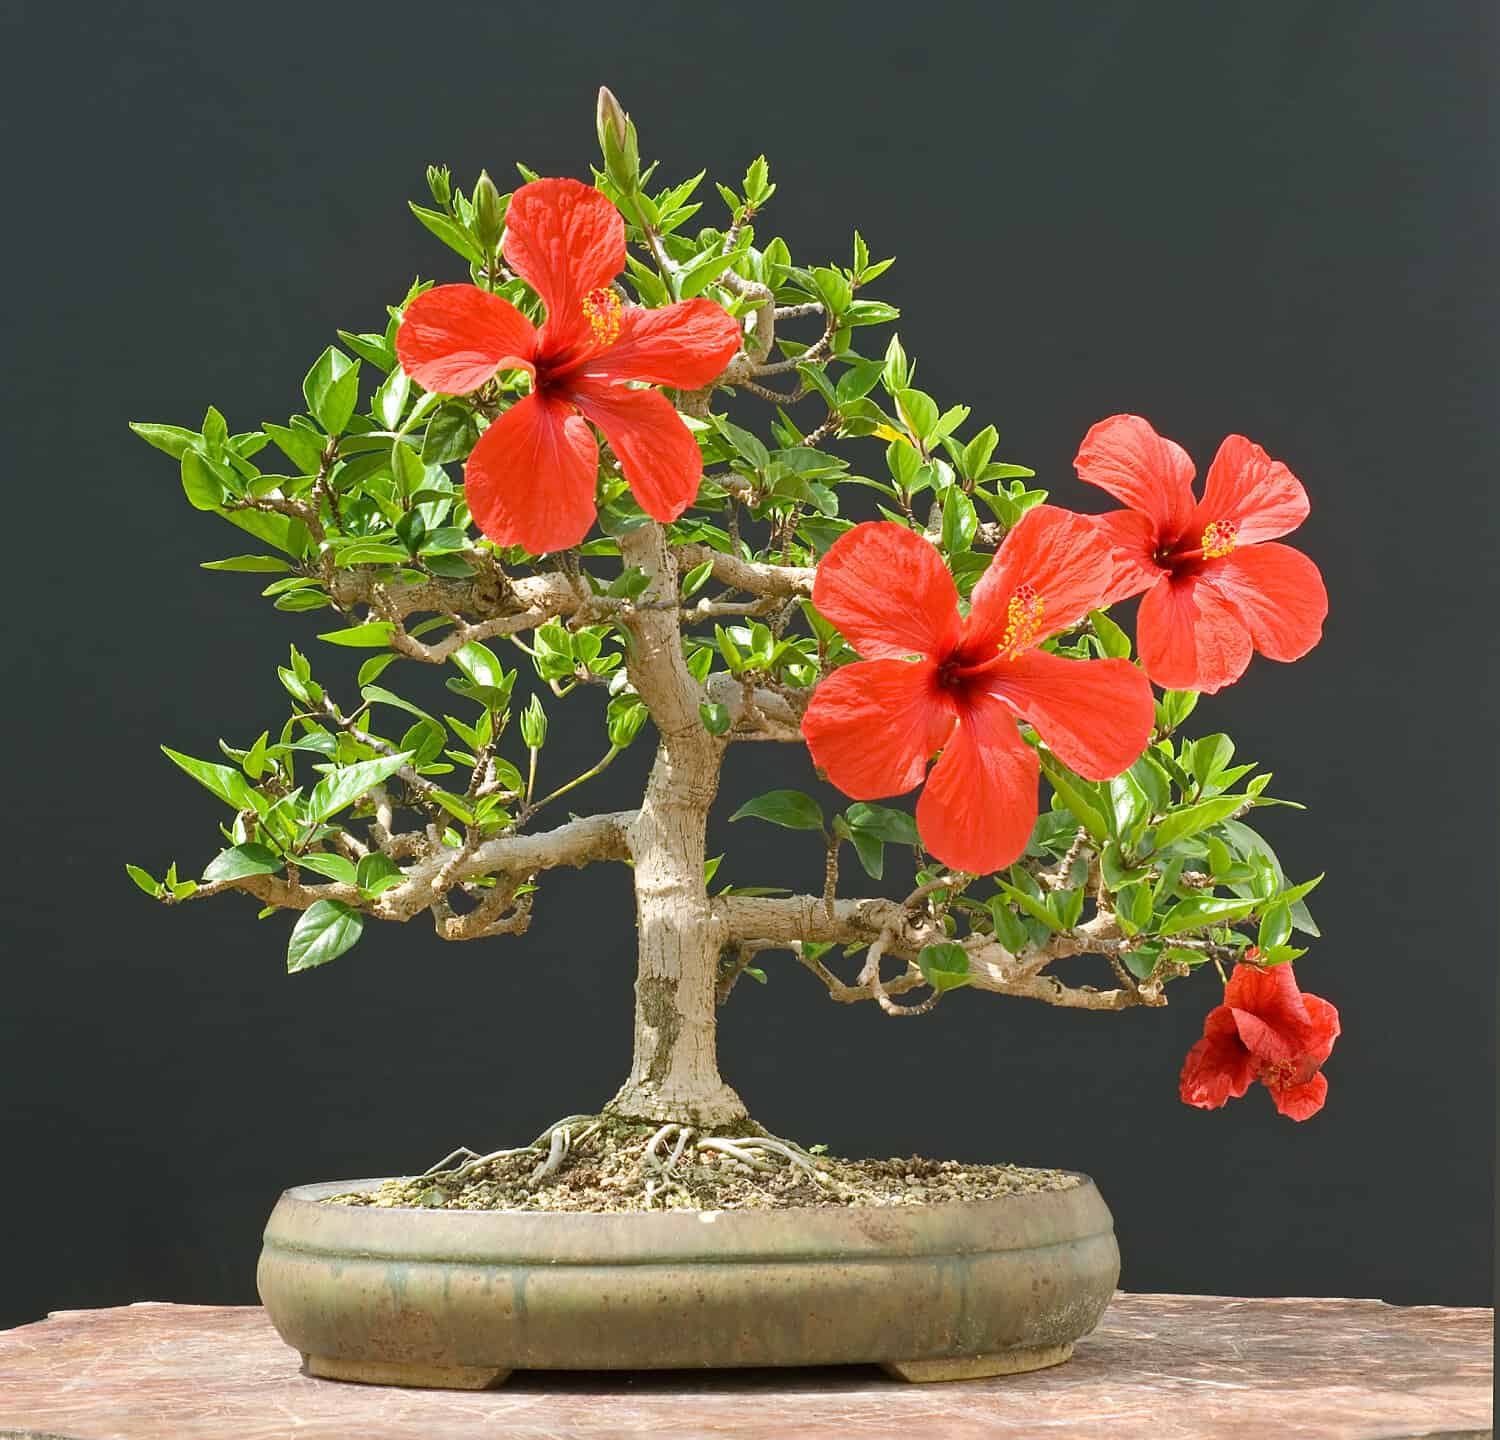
[422, 1377]
[978, 1367]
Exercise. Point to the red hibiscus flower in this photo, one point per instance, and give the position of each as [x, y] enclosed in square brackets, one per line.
[1215, 589]
[530, 479]
[1265, 1030]
[873, 725]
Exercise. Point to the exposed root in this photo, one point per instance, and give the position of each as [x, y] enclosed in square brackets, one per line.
[605, 1163]
[557, 1137]
[762, 1153]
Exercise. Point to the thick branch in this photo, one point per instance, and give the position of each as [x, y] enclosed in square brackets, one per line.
[757, 578]
[765, 921]
[516, 857]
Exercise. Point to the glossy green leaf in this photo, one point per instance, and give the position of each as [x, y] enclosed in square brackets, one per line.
[944, 966]
[229, 785]
[333, 792]
[326, 929]
[242, 860]
[789, 808]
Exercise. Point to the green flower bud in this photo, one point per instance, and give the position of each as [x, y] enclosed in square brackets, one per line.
[489, 212]
[617, 141]
[534, 724]
[441, 185]
[625, 717]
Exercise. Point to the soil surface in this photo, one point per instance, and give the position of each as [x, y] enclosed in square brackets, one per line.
[610, 1165]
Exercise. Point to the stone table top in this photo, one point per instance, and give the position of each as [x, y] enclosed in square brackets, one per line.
[1168, 1367]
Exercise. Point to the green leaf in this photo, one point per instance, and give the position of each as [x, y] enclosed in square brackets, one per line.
[242, 860]
[304, 448]
[1275, 926]
[1031, 904]
[716, 718]
[884, 823]
[172, 439]
[335, 867]
[481, 665]
[332, 389]
[1179, 824]
[454, 236]
[333, 792]
[264, 564]
[325, 931]
[944, 966]
[789, 808]
[960, 523]
[1009, 930]
[203, 488]
[1200, 911]
[919, 410]
[143, 877]
[1115, 641]
[375, 635]
[376, 872]
[871, 851]
[451, 434]
[229, 785]
[704, 269]
[1080, 796]
[377, 694]
[1173, 708]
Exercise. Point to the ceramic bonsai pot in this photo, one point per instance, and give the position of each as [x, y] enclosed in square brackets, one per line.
[459, 1299]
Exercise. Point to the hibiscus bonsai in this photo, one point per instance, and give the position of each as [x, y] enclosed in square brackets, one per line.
[656, 460]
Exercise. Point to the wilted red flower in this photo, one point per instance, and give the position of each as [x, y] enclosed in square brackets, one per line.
[530, 479]
[1265, 1030]
[873, 725]
[1215, 590]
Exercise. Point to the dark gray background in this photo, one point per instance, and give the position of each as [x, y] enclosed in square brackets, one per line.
[1273, 218]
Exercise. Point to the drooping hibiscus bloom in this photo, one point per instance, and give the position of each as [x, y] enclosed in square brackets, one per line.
[1215, 589]
[530, 479]
[1265, 1030]
[873, 725]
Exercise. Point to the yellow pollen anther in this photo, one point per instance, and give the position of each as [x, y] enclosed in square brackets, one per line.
[1219, 538]
[1023, 614]
[601, 308]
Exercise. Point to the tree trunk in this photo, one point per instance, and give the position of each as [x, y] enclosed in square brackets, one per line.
[675, 1071]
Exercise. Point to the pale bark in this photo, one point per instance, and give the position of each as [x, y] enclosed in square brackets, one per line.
[674, 1073]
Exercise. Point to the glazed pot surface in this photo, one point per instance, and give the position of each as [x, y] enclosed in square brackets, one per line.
[461, 1298]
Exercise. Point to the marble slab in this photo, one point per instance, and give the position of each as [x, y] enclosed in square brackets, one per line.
[1167, 1367]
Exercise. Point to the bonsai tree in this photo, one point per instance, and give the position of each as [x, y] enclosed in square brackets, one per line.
[646, 455]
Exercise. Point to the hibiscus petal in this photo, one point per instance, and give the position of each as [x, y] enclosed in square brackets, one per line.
[1218, 1068]
[564, 239]
[1126, 458]
[1269, 1012]
[1260, 495]
[1190, 637]
[455, 337]
[888, 591]
[1323, 1018]
[686, 345]
[979, 804]
[1095, 715]
[1132, 540]
[1300, 1102]
[1279, 594]
[530, 479]
[1063, 557]
[657, 452]
[873, 726]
